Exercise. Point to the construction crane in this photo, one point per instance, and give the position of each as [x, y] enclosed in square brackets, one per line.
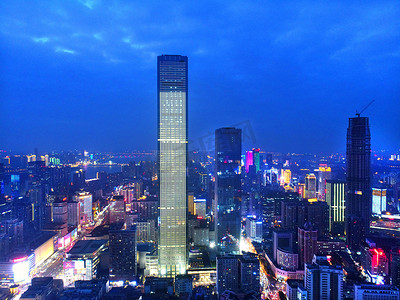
[359, 113]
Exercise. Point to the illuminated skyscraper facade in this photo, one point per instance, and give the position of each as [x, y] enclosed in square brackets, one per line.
[228, 149]
[256, 159]
[358, 180]
[311, 186]
[335, 198]
[324, 174]
[172, 88]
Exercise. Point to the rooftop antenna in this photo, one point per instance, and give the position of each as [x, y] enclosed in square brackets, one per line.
[359, 113]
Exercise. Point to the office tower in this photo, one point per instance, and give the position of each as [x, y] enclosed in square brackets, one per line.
[85, 207]
[317, 213]
[295, 214]
[307, 243]
[256, 158]
[286, 176]
[249, 272]
[376, 292]
[324, 174]
[335, 192]
[60, 212]
[358, 189]
[238, 273]
[254, 228]
[323, 281]
[249, 160]
[73, 213]
[228, 273]
[123, 253]
[228, 148]
[172, 90]
[311, 186]
[145, 208]
[200, 207]
[117, 210]
[378, 201]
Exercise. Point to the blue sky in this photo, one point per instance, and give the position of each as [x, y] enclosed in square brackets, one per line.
[82, 74]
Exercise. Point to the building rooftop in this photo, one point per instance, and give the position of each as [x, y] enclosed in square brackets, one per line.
[86, 247]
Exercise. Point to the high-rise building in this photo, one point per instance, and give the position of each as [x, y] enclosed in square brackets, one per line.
[336, 201]
[249, 160]
[228, 148]
[172, 91]
[311, 186]
[117, 209]
[323, 281]
[307, 243]
[85, 206]
[250, 272]
[378, 201]
[238, 273]
[228, 273]
[123, 253]
[256, 158]
[358, 180]
[324, 174]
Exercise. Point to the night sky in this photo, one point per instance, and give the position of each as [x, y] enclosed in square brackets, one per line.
[82, 74]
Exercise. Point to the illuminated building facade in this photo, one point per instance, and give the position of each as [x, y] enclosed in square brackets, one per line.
[85, 207]
[311, 186]
[378, 201]
[324, 174]
[82, 260]
[200, 207]
[256, 159]
[117, 209]
[375, 292]
[249, 160]
[358, 181]
[335, 198]
[16, 270]
[191, 203]
[286, 176]
[172, 91]
[307, 243]
[228, 148]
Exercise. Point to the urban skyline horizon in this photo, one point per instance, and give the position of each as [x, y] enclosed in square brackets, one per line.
[296, 78]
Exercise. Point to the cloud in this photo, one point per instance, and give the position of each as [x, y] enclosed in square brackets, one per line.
[41, 40]
[98, 36]
[88, 3]
[65, 50]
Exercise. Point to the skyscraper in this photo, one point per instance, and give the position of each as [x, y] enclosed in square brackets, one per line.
[358, 180]
[256, 158]
[172, 91]
[123, 253]
[311, 186]
[324, 174]
[335, 199]
[323, 281]
[228, 148]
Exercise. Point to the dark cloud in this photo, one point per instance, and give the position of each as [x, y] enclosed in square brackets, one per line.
[82, 74]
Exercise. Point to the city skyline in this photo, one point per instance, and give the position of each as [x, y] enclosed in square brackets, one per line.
[77, 82]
